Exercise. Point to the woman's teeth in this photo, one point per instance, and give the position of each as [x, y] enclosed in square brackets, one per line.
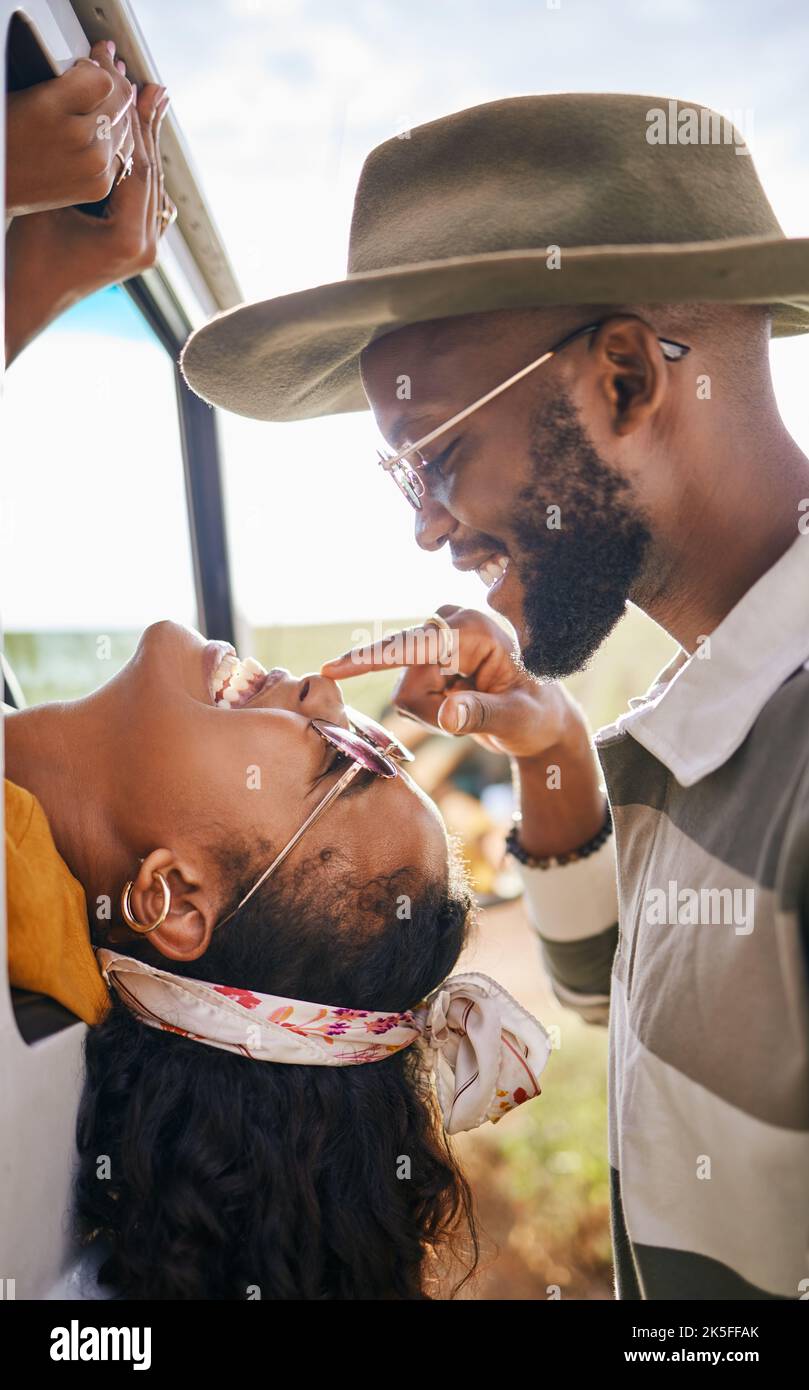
[493, 570]
[235, 681]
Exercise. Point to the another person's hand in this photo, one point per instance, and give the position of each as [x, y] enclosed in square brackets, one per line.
[54, 259]
[491, 697]
[537, 723]
[68, 139]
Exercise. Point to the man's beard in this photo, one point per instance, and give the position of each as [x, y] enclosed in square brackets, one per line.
[576, 580]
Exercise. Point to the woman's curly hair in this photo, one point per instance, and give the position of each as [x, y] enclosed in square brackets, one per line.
[210, 1176]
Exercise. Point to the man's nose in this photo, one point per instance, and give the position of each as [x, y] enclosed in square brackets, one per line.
[433, 525]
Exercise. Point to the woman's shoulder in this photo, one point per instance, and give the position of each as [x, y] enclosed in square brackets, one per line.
[48, 938]
[21, 808]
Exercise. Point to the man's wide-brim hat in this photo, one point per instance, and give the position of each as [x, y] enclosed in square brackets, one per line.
[535, 200]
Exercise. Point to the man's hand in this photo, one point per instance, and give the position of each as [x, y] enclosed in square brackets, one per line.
[54, 259]
[492, 698]
[69, 138]
[538, 724]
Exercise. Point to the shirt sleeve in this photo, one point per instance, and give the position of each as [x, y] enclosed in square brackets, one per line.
[573, 908]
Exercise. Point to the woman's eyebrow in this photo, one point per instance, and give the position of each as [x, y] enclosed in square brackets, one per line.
[362, 781]
[339, 763]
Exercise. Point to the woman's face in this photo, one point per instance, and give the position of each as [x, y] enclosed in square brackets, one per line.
[188, 771]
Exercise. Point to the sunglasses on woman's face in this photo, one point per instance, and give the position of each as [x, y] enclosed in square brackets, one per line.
[371, 745]
[368, 747]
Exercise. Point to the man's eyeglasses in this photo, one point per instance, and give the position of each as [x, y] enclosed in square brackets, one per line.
[368, 747]
[405, 474]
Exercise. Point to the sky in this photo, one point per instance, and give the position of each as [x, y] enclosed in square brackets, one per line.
[279, 102]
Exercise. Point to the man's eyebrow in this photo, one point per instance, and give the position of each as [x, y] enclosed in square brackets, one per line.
[399, 431]
[402, 430]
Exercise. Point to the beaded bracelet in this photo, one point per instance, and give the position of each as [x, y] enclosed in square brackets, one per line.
[515, 849]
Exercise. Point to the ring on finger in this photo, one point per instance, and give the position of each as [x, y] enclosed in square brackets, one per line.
[446, 638]
[127, 164]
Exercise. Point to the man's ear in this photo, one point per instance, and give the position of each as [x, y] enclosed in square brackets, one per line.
[630, 371]
[192, 916]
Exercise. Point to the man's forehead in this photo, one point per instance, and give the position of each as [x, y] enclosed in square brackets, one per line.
[414, 375]
[458, 334]
[403, 429]
[405, 385]
[421, 374]
[415, 341]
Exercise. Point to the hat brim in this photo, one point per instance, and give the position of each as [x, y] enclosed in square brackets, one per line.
[296, 357]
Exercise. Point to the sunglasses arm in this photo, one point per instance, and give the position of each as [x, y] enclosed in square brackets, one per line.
[331, 795]
[388, 463]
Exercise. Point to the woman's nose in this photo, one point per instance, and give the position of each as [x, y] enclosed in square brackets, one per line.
[320, 698]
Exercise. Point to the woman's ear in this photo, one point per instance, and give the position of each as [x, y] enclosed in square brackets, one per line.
[192, 914]
[630, 371]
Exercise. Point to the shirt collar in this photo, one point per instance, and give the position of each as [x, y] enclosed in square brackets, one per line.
[700, 708]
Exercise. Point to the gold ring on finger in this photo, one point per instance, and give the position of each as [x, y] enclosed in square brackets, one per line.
[445, 653]
[127, 164]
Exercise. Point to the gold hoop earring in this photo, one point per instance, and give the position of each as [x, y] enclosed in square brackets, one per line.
[126, 907]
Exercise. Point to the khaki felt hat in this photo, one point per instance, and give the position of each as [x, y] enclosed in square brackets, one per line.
[534, 200]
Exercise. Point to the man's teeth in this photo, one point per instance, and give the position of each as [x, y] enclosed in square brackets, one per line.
[234, 681]
[493, 570]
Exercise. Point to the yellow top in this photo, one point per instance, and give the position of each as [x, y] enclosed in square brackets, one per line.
[48, 934]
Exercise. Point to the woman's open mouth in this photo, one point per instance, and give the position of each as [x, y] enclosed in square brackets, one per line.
[232, 682]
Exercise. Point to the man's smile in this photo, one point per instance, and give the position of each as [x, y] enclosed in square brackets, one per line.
[489, 567]
[492, 568]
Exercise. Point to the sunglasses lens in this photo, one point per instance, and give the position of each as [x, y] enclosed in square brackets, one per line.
[377, 734]
[357, 747]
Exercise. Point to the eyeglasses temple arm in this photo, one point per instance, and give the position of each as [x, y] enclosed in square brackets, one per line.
[387, 464]
[680, 350]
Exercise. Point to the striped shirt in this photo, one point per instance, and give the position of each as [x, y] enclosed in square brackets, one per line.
[688, 933]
